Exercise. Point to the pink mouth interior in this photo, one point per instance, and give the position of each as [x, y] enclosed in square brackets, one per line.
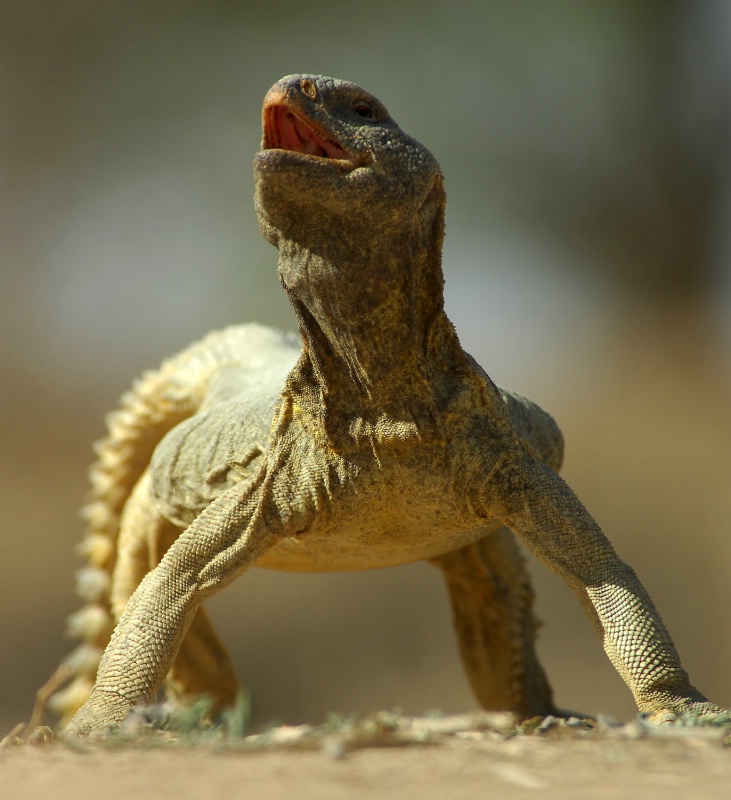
[286, 131]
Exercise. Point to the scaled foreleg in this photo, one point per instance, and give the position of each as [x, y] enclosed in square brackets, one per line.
[552, 522]
[223, 542]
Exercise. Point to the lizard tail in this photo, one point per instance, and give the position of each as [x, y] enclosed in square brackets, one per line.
[157, 402]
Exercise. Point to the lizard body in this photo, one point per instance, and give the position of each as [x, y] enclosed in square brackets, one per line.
[375, 441]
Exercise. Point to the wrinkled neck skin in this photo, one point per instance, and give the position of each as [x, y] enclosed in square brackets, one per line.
[368, 293]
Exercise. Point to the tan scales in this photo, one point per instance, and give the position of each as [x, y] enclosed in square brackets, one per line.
[371, 440]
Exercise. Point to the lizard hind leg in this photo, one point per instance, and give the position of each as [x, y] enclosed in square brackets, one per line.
[492, 600]
[202, 666]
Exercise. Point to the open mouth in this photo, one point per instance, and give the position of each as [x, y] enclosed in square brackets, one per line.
[286, 130]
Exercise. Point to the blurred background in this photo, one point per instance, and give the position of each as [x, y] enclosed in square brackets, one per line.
[588, 264]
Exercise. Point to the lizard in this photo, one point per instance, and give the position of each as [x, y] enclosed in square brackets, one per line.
[372, 439]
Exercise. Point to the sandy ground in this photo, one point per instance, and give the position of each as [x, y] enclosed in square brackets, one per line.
[527, 767]
[558, 763]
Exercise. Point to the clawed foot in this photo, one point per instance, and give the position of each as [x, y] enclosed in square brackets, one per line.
[684, 711]
[99, 716]
[715, 716]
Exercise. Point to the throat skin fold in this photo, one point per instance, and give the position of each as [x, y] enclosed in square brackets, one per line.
[370, 306]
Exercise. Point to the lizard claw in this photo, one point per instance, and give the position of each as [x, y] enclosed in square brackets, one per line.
[42, 734]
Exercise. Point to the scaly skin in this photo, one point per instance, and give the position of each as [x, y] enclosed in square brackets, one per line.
[382, 442]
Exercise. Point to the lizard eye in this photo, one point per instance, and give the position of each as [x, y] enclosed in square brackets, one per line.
[363, 109]
[308, 88]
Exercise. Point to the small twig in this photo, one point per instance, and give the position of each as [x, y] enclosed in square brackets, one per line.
[14, 734]
[50, 687]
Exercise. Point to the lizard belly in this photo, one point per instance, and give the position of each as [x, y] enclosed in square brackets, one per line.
[342, 551]
[379, 525]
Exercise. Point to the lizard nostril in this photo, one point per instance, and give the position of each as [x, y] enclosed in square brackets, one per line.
[308, 88]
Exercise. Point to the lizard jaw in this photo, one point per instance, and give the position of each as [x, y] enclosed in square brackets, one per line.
[285, 129]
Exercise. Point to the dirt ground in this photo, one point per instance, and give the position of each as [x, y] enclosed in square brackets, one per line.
[554, 764]
[525, 767]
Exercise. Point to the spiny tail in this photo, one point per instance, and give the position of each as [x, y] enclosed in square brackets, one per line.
[158, 401]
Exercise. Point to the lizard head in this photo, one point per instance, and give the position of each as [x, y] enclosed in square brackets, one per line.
[356, 209]
[332, 155]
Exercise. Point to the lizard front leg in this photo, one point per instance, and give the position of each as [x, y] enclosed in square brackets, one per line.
[551, 521]
[223, 542]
